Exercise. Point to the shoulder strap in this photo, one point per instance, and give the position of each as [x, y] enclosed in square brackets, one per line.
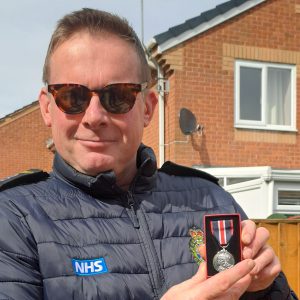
[26, 177]
[171, 168]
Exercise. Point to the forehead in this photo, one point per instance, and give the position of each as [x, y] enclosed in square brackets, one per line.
[101, 55]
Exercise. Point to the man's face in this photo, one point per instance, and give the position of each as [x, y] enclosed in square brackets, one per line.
[96, 140]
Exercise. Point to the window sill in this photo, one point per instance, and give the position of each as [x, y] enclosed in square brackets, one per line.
[260, 128]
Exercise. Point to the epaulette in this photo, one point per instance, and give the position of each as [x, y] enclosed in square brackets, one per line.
[171, 168]
[26, 177]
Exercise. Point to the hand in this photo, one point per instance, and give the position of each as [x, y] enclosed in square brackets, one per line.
[227, 285]
[267, 265]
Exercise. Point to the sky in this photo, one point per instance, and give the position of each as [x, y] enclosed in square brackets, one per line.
[26, 27]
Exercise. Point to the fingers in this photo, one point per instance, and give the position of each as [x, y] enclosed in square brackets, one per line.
[267, 265]
[266, 269]
[200, 275]
[259, 239]
[186, 288]
[265, 257]
[225, 280]
[230, 276]
[266, 276]
[248, 231]
[272, 270]
[227, 285]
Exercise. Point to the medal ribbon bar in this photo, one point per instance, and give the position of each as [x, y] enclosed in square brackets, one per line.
[222, 230]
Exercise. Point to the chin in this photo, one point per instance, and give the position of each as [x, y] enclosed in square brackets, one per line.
[94, 167]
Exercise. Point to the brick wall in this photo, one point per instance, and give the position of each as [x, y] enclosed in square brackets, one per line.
[203, 81]
[23, 143]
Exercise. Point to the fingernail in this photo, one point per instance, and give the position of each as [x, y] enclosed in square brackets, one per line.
[246, 238]
[251, 263]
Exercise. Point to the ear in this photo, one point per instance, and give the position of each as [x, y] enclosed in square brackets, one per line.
[150, 104]
[45, 103]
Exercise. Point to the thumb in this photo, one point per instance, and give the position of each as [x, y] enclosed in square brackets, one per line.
[200, 276]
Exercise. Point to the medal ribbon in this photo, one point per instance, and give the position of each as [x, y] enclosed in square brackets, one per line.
[222, 230]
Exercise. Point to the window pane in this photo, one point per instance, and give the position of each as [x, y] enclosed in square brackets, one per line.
[221, 181]
[233, 180]
[250, 94]
[279, 96]
[289, 197]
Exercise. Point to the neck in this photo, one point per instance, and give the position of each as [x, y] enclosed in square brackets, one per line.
[125, 178]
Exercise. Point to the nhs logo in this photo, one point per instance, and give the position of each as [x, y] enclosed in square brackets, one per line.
[86, 267]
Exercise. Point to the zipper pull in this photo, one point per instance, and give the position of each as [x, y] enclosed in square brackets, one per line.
[131, 205]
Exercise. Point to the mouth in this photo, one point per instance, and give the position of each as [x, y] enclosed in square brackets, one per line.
[95, 139]
[94, 142]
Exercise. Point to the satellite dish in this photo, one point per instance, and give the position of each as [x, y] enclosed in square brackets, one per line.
[188, 123]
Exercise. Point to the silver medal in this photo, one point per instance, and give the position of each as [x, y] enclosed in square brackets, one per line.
[223, 260]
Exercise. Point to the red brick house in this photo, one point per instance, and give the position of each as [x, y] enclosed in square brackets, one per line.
[235, 68]
[208, 59]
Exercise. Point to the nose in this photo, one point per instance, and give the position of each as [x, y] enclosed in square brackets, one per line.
[95, 115]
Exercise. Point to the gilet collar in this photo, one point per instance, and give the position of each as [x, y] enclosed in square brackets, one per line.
[104, 184]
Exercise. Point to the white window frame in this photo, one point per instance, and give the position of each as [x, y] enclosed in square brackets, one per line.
[239, 123]
[285, 208]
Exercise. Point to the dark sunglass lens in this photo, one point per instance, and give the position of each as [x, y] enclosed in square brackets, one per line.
[118, 98]
[73, 99]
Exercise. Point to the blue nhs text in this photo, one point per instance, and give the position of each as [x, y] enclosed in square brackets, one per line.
[89, 266]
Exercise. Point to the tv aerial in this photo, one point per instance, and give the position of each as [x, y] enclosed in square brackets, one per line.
[188, 123]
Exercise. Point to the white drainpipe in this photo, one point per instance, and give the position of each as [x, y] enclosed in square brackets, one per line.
[161, 115]
[162, 87]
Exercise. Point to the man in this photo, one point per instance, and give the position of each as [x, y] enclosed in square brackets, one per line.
[106, 224]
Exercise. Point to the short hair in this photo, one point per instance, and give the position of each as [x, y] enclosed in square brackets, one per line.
[95, 21]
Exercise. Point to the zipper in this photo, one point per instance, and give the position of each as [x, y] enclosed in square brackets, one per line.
[147, 244]
[130, 202]
[157, 275]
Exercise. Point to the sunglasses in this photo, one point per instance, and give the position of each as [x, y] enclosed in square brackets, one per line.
[117, 98]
